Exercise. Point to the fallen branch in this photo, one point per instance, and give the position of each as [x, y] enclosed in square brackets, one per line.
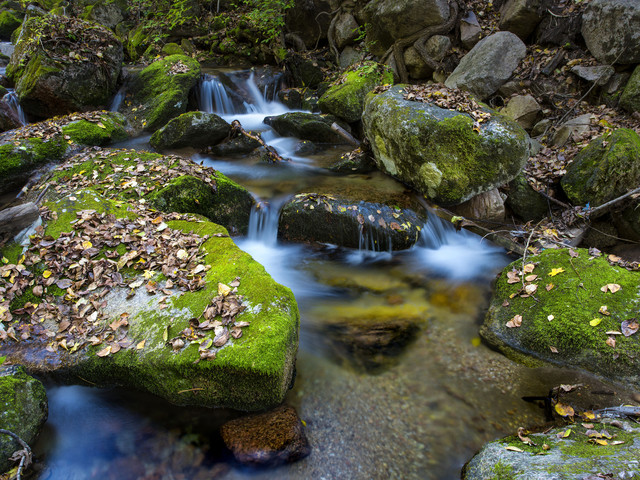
[24, 455]
[236, 129]
[344, 134]
[600, 210]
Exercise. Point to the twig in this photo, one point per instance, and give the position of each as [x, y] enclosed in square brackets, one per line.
[604, 208]
[24, 454]
[236, 127]
[344, 134]
[554, 200]
[196, 389]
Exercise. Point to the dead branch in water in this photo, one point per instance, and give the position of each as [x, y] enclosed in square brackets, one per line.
[236, 129]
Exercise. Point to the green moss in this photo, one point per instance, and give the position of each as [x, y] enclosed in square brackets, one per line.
[90, 133]
[8, 23]
[172, 49]
[630, 99]
[503, 471]
[137, 43]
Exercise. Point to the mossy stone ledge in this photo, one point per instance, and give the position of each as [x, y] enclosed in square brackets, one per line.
[191, 129]
[565, 319]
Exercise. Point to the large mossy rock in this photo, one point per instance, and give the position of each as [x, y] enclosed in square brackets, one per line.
[142, 294]
[63, 65]
[8, 23]
[607, 168]
[310, 217]
[305, 126]
[160, 91]
[630, 99]
[437, 151]
[191, 129]
[23, 410]
[28, 148]
[346, 100]
[572, 456]
[561, 319]
[611, 30]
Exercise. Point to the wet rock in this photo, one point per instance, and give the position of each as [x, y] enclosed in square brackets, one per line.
[599, 75]
[524, 109]
[607, 168]
[24, 410]
[57, 80]
[310, 217]
[520, 17]
[15, 219]
[354, 162]
[305, 126]
[8, 23]
[487, 206]
[586, 459]
[561, 320]
[294, 99]
[524, 201]
[572, 129]
[630, 99]
[470, 30]
[410, 142]
[347, 30]
[8, 117]
[267, 439]
[608, 38]
[346, 100]
[306, 147]
[191, 129]
[240, 145]
[488, 65]
[306, 73]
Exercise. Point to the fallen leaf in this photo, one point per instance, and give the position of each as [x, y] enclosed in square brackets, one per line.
[599, 441]
[553, 349]
[555, 271]
[512, 277]
[530, 278]
[611, 342]
[611, 287]
[140, 345]
[104, 352]
[531, 288]
[595, 322]
[629, 327]
[549, 287]
[513, 449]
[604, 311]
[223, 289]
[564, 410]
[573, 253]
[516, 321]
[550, 317]
[528, 268]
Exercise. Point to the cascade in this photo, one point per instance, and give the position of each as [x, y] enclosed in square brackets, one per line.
[117, 100]
[212, 96]
[11, 99]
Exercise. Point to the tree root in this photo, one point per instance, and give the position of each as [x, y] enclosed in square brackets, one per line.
[236, 129]
[24, 455]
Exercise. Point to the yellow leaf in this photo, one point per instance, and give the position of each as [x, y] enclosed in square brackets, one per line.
[475, 341]
[567, 433]
[588, 415]
[595, 322]
[87, 244]
[101, 125]
[611, 287]
[555, 271]
[513, 449]
[599, 441]
[223, 289]
[47, 273]
[564, 410]
[528, 268]
[140, 345]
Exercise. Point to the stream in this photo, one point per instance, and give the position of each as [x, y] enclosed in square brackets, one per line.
[419, 411]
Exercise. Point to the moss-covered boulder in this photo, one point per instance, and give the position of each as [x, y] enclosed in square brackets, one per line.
[440, 152]
[605, 169]
[310, 217]
[559, 310]
[28, 148]
[306, 126]
[630, 99]
[166, 182]
[346, 100]
[571, 454]
[191, 129]
[163, 303]
[23, 410]
[63, 64]
[172, 49]
[160, 91]
[8, 23]
[524, 201]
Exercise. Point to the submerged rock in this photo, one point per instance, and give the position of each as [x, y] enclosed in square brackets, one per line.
[267, 439]
[23, 411]
[55, 77]
[437, 151]
[163, 303]
[305, 126]
[310, 217]
[191, 129]
[564, 312]
[571, 454]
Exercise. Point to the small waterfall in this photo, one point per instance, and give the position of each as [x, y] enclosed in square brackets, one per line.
[373, 241]
[212, 96]
[117, 100]
[11, 99]
[263, 222]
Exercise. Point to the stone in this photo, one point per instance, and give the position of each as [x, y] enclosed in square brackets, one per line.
[611, 30]
[438, 46]
[568, 339]
[627, 222]
[346, 30]
[488, 65]
[599, 75]
[240, 145]
[354, 162]
[390, 20]
[437, 152]
[346, 100]
[520, 17]
[191, 129]
[172, 49]
[8, 23]
[630, 99]
[606, 169]
[523, 109]
[107, 14]
[572, 129]
[617, 83]
[305, 126]
[349, 56]
[524, 201]
[310, 217]
[470, 30]
[486, 206]
[306, 73]
[310, 20]
[267, 439]
[8, 117]
[572, 457]
[416, 67]
[541, 127]
[57, 80]
[23, 411]
[15, 219]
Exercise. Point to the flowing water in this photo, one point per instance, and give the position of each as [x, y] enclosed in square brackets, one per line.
[418, 411]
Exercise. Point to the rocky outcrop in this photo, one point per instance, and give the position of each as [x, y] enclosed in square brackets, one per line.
[437, 151]
[611, 29]
[520, 17]
[56, 77]
[607, 168]
[311, 217]
[346, 100]
[561, 307]
[488, 65]
[191, 129]
[306, 126]
[24, 411]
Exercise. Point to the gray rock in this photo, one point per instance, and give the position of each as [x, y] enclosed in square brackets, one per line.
[617, 82]
[390, 20]
[346, 30]
[191, 129]
[411, 142]
[541, 127]
[305, 126]
[438, 47]
[570, 458]
[107, 14]
[310, 20]
[23, 410]
[15, 219]
[520, 17]
[611, 29]
[8, 117]
[630, 99]
[470, 30]
[416, 68]
[524, 109]
[524, 201]
[600, 74]
[349, 56]
[488, 206]
[571, 129]
[488, 65]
